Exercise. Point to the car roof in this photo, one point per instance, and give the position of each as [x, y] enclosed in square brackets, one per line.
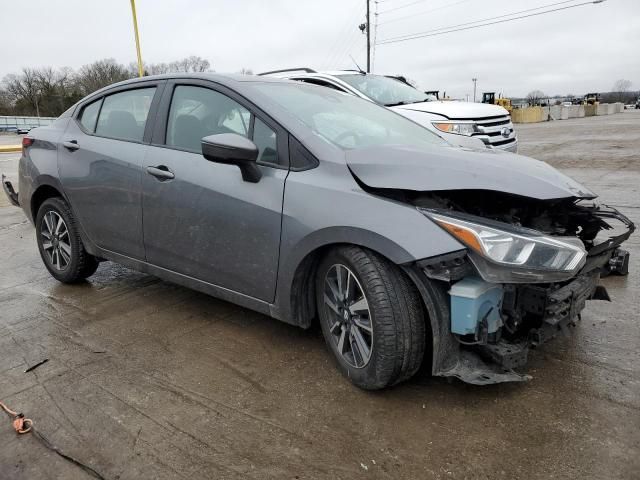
[230, 79]
[307, 72]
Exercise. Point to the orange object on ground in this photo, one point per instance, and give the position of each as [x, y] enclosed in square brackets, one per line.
[20, 423]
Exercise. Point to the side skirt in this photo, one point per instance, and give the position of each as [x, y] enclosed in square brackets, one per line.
[216, 291]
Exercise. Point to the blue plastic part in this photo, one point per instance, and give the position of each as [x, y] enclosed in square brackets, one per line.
[471, 300]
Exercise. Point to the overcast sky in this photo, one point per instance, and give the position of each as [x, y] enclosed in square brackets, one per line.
[577, 50]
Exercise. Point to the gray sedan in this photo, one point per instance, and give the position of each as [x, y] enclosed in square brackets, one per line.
[308, 205]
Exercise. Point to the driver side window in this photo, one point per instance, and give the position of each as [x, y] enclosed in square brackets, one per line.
[197, 112]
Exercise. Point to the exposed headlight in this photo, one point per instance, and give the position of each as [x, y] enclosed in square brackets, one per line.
[514, 256]
[459, 128]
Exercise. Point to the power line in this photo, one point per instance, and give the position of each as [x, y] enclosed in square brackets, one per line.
[425, 12]
[401, 6]
[347, 31]
[433, 33]
[493, 18]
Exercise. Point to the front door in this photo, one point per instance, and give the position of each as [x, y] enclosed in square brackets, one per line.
[100, 165]
[200, 218]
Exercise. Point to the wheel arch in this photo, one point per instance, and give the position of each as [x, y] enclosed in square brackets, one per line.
[43, 192]
[50, 187]
[295, 303]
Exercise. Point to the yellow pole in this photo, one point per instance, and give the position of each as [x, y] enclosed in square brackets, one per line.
[135, 29]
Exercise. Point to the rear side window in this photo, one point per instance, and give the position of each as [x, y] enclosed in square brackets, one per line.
[89, 116]
[124, 115]
[197, 112]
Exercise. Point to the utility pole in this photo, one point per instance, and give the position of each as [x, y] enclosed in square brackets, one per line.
[368, 40]
[474, 80]
[135, 31]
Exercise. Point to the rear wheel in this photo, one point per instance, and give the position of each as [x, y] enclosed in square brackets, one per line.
[60, 245]
[371, 317]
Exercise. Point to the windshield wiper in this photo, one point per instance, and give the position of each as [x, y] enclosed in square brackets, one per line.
[404, 102]
[397, 103]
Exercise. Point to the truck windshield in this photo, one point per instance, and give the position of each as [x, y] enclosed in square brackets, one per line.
[345, 120]
[384, 90]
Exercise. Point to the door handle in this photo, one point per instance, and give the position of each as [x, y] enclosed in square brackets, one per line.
[161, 172]
[71, 145]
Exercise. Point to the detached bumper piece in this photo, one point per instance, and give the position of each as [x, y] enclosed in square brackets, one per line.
[10, 192]
[607, 255]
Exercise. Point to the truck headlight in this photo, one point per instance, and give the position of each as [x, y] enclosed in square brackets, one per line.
[458, 128]
[514, 255]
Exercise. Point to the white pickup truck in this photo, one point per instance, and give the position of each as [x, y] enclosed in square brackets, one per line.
[475, 125]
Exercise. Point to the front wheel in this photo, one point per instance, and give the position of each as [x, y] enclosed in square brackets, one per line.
[371, 317]
[60, 245]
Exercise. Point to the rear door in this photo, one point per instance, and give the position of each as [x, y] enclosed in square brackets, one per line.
[201, 219]
[100, 164]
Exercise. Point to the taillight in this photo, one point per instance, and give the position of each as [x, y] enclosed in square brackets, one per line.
[26, 143]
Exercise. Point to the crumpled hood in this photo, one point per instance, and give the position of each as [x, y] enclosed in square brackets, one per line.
[447, 168]
[455, 109]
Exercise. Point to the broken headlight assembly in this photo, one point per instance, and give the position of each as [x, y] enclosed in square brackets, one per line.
[459, 128]
[506, 254]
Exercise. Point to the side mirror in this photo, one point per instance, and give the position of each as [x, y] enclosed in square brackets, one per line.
[233, 149]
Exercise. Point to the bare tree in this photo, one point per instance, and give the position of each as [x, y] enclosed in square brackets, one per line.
[48, 91]
[6, 103]
[24, 89]
[99, 74]
[621, 87]
[190, 64]
[186, 65]
[246, 71]
[535, 97]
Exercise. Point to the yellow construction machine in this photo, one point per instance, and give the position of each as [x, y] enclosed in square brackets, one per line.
[490, 97]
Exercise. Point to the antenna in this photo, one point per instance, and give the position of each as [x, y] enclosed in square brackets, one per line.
[358, 66]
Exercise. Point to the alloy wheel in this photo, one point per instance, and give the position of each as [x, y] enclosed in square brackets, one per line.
[55, 240]
[348, 315]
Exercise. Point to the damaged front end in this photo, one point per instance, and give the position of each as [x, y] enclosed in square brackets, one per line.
[527, 271]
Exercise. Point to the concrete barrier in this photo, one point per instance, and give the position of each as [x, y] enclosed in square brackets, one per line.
[561, 112]
[528, 115]
[575, 111]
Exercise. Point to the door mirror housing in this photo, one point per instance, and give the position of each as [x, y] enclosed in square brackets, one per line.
[233, 149]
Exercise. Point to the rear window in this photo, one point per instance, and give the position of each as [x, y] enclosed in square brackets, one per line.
[124, 115]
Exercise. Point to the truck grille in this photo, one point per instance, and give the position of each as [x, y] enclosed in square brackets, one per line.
[491, 132]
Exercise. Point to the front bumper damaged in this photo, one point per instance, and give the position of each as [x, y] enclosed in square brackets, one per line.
[532, 314]
[535, 314]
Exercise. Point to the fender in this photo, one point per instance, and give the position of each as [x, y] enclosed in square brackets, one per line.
[315, 242]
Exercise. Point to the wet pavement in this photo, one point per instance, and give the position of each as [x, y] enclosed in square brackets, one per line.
[146, 379]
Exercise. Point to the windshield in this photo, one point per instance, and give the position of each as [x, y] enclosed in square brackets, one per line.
[345, 120]
[384, 90]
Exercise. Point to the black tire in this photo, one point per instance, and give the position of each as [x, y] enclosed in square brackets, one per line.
[396, 318]
[79, 263]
